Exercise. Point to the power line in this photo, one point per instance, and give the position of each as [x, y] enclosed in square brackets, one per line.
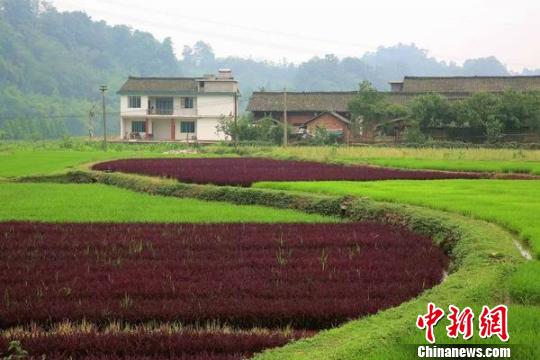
[258, 41]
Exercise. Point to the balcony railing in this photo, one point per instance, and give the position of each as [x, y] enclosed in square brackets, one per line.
[159, 111]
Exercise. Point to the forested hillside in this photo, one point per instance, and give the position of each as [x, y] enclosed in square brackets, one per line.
[52, 63]
[51, 66]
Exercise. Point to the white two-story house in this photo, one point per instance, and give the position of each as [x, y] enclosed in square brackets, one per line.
[183, 109]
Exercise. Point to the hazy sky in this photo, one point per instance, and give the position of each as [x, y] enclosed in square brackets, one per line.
[298, 30]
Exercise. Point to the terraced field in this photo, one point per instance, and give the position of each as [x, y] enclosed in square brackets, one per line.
[309, 276]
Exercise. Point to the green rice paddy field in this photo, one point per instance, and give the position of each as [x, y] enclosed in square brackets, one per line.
[102, 203]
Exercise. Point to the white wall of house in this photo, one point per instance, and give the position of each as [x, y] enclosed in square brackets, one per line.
[215, 105]
[220, 86]
[206, 130]
[180, 109]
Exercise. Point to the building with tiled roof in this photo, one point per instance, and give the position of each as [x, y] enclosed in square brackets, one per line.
[465, 84]
[304, 106]
[177, 108]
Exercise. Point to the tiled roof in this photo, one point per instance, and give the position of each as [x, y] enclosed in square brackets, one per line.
[301, 101]
[334, 114]
[158, 84]
[336, 101]
[470, 83]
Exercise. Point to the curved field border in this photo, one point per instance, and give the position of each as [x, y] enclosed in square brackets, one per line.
[483, 255]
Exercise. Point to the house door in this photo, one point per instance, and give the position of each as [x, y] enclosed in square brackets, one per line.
[161, 129]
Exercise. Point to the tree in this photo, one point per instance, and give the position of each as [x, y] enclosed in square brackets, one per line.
[520, 110]
[488, 66]
[264, 130]
[52, 63]
[200, 55]
[20, 13]
[324, 137]
[431, 110]
[482, 111]
[368, 108]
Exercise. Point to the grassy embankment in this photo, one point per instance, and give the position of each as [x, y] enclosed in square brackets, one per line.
[101, 203]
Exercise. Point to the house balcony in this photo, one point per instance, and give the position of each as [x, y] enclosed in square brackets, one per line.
[182, 112]
[161, 112]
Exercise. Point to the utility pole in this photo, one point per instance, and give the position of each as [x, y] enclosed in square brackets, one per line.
[285, 123]
[235, 119]
[103, 88]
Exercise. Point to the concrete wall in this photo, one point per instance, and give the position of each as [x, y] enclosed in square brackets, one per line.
[220, 86]
[215, 105]
[206, 130]
[179, 108]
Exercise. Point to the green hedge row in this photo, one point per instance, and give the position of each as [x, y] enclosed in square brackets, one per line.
[325, 205]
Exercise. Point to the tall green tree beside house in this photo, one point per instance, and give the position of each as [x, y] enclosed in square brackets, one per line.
[520, 110]
[430, 111]
[370, 108]
[482, 111]
[367, 109]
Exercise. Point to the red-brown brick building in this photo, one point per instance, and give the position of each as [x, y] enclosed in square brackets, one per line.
[302, 107]
[332, 122]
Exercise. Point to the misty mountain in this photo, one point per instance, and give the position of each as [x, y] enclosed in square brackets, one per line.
[52, 63]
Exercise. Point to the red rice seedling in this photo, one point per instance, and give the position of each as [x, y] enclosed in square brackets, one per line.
[224, 273]
[245, 171]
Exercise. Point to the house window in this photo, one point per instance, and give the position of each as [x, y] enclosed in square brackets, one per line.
[134, 102]
[138, 126]
[187, 127]
[188, 103]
